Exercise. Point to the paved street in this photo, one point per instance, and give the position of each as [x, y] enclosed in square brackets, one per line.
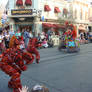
[59, 71]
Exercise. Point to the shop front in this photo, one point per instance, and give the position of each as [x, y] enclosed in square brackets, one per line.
[23, 19]
[57, 28]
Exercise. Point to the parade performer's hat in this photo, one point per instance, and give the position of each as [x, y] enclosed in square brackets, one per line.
[13, 42]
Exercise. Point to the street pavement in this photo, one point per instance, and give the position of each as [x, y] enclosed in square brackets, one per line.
[59, 71]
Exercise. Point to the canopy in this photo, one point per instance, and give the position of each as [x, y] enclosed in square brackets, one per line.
[57, 10]
[28, 2]
[19, 3]
[47, 8]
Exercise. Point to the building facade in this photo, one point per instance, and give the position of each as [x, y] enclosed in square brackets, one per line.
[41, 15]
[82, 14]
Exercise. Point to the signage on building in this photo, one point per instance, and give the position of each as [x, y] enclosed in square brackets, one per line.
[21, 12]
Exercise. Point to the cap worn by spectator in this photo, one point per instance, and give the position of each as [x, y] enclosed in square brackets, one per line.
[39, 88]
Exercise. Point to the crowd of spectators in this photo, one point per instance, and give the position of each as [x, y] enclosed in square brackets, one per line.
[23, 36]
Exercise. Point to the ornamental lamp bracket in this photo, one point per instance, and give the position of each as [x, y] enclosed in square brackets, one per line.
[39, 13]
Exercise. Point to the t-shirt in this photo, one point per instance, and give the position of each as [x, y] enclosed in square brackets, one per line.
[7, 37]
[1, 38]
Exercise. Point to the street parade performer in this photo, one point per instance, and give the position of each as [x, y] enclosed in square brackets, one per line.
[12, 63]
[32, 48]
[69, 42]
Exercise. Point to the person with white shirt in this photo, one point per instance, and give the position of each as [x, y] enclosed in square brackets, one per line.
[1, 42]
[7, 39]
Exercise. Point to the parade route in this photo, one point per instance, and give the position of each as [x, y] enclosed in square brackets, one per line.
[59, 71]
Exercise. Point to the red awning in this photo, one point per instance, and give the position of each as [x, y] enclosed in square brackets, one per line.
[47, 8]
[48, 25]
[58, 26]
[19, 2]
[56, 10]
[28, 2]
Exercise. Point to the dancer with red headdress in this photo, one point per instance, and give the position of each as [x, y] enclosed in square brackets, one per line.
[32, 48]
[12, 63]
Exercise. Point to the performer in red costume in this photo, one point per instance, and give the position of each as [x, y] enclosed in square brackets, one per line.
[31, 48]
[74, 31]
[12, 63]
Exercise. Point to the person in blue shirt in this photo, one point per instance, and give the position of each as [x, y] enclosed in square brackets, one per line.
[11, 33]
[26, 37]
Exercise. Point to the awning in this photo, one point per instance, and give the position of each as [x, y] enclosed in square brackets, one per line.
[19, 3]
[58, 26]
[28, 2]
[57, 10]
[48, 25]
[47, 8]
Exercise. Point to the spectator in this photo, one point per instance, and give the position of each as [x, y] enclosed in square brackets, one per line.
[2, 45]
[44, 43]
[22, 44]
[30, 34]
[42, 36]
[86, 37]
[26, 37]
[50, 43]
[22, 33]
[11, 33]
[38, 88]
[39, 37]
[18, 34]
[7, 39]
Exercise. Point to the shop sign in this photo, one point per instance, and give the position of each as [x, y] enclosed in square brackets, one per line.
[21, 12]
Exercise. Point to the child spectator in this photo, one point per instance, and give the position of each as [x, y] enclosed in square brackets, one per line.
[44, 43]
[22, 44]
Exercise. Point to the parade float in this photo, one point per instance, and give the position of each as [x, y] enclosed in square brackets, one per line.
[69, 42]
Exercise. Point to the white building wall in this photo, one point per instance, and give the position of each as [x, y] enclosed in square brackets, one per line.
[52, 4]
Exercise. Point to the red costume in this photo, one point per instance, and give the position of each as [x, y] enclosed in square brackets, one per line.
[12, 63]
[31, 48]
